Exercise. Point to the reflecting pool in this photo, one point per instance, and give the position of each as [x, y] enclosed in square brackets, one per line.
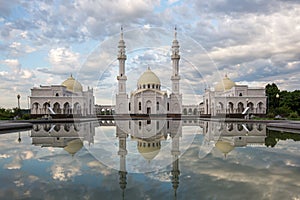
[150, 159]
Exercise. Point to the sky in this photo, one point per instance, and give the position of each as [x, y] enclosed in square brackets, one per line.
[44, 42]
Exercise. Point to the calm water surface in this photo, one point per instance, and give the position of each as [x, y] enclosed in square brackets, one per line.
[150, 160]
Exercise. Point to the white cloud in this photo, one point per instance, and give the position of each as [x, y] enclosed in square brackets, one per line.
[251, 41]
[14, 64]
[63, 60]
[4, 156]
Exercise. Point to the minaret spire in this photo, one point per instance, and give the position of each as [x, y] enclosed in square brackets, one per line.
[121, 33]
[176, 97]
[121, 97]
[175, 55]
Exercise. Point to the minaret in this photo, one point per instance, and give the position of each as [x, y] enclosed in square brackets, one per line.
[175, 134]
[121, 97]
[176, 99]
[122, 153]
[175, 62]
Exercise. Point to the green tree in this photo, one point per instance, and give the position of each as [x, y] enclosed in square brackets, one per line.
[271, 92]
[290, 100]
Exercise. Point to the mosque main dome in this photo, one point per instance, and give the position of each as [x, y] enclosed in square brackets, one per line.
[225, 84]
[72, 85]
[148, 77]
[149, 149]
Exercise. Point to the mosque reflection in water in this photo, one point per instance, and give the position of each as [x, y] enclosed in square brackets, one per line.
[69, 136]
[149, 136]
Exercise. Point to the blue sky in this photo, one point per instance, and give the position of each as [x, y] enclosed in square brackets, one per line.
[43, 42]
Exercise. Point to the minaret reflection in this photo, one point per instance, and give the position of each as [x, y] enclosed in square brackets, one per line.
[147, 135]
[122, 135]
[176, 133]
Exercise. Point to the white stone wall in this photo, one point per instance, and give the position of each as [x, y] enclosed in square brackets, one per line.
[61, 101]
[234, 101]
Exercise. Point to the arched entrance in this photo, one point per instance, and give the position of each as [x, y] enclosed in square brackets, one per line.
[46, 105]
[240, 107]
[35, 108]
[67, 109]
[220, 107]
[251, 107]
[56, 108]
[230, 107]
[148, 107]
[260, 108]
[77, 108]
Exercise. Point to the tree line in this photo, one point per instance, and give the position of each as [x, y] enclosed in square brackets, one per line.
[282, 103]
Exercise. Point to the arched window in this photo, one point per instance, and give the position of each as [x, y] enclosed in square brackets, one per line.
[129, 106]
[185, 111]
[157, 105]
[240, 94]
[149, 86]
[153, 86]
[140, 125]
[56, 94]
[140, 106]
[168, 106]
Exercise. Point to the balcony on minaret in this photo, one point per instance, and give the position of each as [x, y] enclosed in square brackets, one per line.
[122, 55]
[175, 77]
[122, 77]
[175, 55]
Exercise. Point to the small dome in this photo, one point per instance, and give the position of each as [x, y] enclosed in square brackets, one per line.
[72, 85]
[148, 77]
[225, 84]
[224, 147]
[73, 146]
[151, 149]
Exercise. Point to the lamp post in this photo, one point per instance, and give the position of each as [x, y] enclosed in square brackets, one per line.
[18, 97]
[247, 114]
[28, 102]
[277, 100]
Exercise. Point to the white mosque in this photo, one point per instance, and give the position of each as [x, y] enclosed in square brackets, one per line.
[229, 98]
[226, 98]
[148, 98]
[69, 98]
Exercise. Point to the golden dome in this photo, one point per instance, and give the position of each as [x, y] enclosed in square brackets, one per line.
[148, 77]
[224, 147]
[150, 150]
[73, 146]
[72, 85]
[225, 84]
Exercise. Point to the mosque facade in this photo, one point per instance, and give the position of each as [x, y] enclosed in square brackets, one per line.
[148, 98]
[229, 98]
[69, 98]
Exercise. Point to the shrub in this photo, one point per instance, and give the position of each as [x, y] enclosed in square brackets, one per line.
[283, 111]
[293, 115]
[26, 116]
